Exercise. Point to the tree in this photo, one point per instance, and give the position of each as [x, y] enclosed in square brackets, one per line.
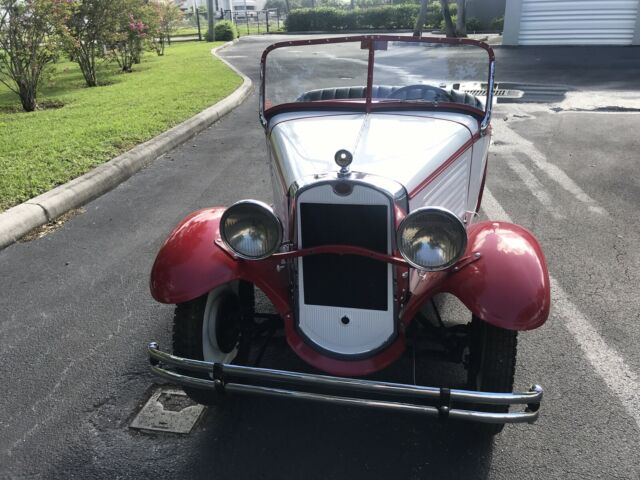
[211, 32]
[448, 23]
[29, 42]
[461, 20]
[90, 26]
[285, 5]
[166, 17]
[422, 18]
[128, 41]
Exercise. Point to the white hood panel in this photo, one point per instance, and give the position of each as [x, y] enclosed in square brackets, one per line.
[404, 147]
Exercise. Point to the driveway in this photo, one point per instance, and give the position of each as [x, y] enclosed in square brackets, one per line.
[76, 311]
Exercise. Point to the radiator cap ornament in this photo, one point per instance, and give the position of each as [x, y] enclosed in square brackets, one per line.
[343, 158]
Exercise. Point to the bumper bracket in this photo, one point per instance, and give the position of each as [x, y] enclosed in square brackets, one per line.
[443, 403]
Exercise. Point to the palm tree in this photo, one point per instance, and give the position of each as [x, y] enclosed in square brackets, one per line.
[448, 23]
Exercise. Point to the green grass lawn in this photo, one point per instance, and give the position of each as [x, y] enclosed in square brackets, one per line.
[254, 28]
[49, 147]
[189, 30]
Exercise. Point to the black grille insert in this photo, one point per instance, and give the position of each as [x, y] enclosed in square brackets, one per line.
[345, 280]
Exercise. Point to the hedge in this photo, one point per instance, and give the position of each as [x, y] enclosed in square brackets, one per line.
[392, 17]
[474, 25]
[401, 15]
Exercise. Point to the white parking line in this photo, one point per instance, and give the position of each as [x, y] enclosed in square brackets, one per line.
[516, 143]
[534, 185]
[608, 363]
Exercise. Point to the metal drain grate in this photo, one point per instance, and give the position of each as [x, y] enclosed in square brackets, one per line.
[501, 92]
[168, 410]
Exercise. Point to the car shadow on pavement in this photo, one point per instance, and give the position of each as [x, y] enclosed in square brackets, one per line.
[267, 438]
[272, 439]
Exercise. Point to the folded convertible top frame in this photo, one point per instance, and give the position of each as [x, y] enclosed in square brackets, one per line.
[440, 402]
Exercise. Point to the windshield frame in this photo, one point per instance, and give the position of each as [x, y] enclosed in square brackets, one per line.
[367, 104]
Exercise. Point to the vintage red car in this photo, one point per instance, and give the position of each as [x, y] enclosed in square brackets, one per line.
[378, 150]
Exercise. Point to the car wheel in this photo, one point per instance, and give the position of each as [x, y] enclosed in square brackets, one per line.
[492, 363]
[209, 328]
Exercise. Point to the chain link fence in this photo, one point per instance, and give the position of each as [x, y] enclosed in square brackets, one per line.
[250, 22]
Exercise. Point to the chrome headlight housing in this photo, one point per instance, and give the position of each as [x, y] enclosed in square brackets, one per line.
[431, 239]
[251, 229]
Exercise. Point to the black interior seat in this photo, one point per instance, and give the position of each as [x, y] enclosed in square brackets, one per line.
[384, 91]
[465, 98]
[341, 93]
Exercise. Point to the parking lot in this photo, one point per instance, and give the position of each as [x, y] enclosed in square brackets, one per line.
[77, 313]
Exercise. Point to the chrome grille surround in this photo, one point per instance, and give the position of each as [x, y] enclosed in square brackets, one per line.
[319, 324]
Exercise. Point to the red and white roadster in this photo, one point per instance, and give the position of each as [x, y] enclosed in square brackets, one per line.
[378, 150]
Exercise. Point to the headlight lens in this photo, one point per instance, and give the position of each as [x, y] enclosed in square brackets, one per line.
[251, 229]
[432, 239]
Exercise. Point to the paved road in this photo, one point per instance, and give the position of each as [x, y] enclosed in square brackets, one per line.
[76, 312]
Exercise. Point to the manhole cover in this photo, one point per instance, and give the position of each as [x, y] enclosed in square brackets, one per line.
[499, 92]
[168, 410]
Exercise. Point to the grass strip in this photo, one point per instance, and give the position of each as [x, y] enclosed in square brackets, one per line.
[49, 147]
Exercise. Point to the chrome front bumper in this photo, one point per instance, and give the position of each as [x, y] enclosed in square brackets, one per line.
[440, 402]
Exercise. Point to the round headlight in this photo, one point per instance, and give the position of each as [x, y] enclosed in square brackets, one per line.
[432, 239]
[251, 229]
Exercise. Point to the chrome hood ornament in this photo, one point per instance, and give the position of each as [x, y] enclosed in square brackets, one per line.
[343, 159]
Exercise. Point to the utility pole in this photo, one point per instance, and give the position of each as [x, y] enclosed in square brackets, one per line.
[246, 15]
[197, 14]
[211, 34]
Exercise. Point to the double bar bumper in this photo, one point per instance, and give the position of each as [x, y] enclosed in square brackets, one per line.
[441, 402]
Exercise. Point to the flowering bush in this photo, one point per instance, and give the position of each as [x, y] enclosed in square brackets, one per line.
[29, 42]
[87, 31]
[128, 46]
[163, 18]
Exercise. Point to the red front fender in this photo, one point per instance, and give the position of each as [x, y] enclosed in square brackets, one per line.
[190, 264]
[507, 286]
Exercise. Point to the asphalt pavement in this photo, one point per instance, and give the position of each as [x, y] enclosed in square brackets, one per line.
[77, 314]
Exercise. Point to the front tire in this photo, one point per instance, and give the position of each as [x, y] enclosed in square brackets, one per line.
[492, 363]
[209, 328]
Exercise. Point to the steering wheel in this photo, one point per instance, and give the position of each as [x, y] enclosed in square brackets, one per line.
[403, 93]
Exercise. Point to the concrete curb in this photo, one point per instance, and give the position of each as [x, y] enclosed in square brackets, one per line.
[21, 219]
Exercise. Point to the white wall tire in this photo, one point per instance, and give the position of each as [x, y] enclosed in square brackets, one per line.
[217, 346]
[197, 335]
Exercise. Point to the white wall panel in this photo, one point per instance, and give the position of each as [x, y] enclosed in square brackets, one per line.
[577, 22]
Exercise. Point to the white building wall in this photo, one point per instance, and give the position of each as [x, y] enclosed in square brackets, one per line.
[572, 22]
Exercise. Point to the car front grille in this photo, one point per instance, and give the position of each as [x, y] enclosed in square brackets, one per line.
[345, 280]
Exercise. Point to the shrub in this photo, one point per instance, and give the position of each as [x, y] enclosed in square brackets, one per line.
[474, 25]
[164, 18]
[404, 16]
[371, 3]
[128, 42]
[401, 15]
[90, 26]
[497, 24]
[225, 30]
[331, 19]
[308, 19]
[28, 44]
